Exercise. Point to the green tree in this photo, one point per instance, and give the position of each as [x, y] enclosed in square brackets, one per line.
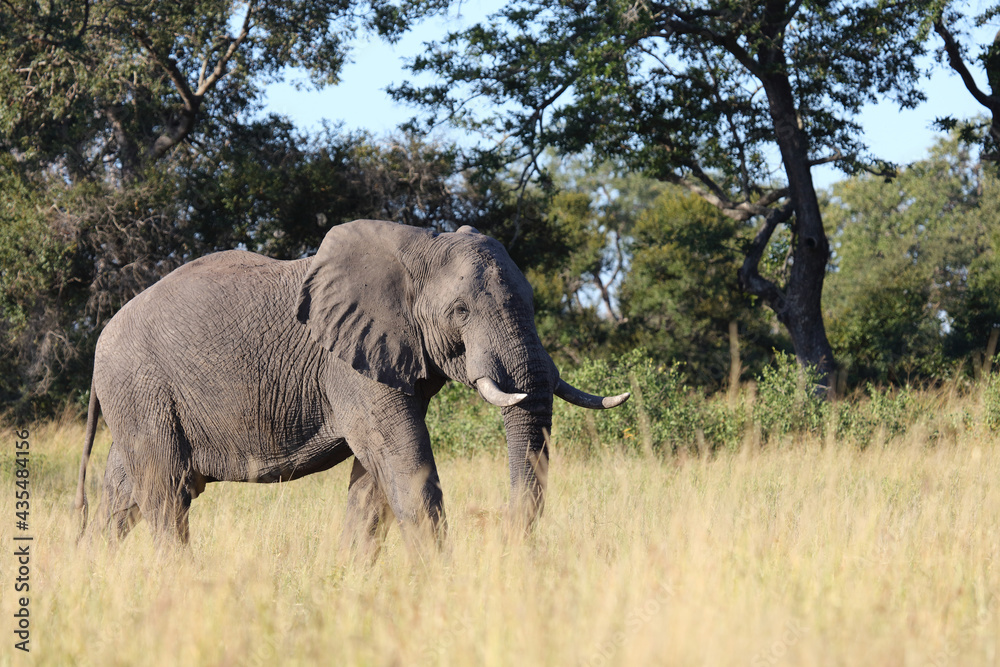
[35, 262]
[696, 93]
[912, 267]
[275, 191]
[110, 86]
[681, 292]
[589, 216]
[571, 325]
[133, 141]
[977, 315]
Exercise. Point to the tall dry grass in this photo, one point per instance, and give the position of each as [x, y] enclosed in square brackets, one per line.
[801, 552]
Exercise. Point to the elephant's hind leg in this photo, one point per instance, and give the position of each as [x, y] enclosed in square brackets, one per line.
[164, 498]
[167, 510]
[119, 511]
[368, 516]
[164, 480]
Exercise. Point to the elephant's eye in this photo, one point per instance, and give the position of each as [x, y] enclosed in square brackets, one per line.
[460, 312]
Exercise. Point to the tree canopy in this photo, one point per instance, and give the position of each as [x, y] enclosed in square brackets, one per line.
[915, 281]
[115, 86]
[647, 165]
[702, 94]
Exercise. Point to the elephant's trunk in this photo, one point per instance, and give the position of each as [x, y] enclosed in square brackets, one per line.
[528, 425]
[520, 382]
[530, 380]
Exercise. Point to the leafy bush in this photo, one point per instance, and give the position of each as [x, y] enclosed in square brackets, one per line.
[725, 425]
[460, 422]
[663, 413]
[885, 411]
[991, 402]
[788, 399]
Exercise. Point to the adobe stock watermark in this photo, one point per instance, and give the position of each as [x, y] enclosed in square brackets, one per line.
[444, 643]
[637, 618]
[949, 653]
[21, 570]
[778, 650]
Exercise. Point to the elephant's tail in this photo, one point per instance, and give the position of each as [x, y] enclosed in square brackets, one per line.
[88, 444]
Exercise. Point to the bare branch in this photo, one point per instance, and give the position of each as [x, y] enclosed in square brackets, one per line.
[536, 117]
[606, 296]
[955, 60]
[723, 205]
[86, 19]
[749, 274]
[201, 73]
[792, 11]
[530, 168]
[620, 263]
[728, 41]
[169, 65]
[185, 123]
[655, 56]
[826, 160]
[715, 194]
[766, 200]
[220, 66]
[127, 150]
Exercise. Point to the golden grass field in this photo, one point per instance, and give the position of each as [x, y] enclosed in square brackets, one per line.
[805, 552]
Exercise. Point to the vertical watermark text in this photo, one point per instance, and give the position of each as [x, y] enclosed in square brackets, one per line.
[22, 541]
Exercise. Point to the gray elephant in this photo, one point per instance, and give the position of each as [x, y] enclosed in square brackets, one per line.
[237, 367]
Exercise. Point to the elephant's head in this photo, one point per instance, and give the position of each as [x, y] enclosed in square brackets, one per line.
[403, 304]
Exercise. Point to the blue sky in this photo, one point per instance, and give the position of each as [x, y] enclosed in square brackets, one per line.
[360, 100]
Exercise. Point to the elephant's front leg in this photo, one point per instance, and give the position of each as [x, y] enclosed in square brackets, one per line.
[368, 516]
[395, 466]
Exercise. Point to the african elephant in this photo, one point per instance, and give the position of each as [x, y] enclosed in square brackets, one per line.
[237, 367]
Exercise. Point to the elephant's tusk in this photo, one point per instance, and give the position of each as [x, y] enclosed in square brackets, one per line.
[571, 394]
[489, 390]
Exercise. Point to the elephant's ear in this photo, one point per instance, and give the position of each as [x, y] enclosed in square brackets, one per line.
[357, 301]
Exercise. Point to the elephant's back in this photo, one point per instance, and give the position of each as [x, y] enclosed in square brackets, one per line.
[211, 332]
[220, 294]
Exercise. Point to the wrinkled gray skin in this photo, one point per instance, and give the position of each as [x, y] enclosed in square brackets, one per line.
[237, 367]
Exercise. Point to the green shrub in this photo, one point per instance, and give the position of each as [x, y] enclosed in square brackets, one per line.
[991, 401]
[724, 425]
[886, 411]
[460, 422]
[788, 399]
[663, 413]
[666, 415]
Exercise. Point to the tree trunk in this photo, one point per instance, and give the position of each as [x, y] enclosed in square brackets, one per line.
[802, 312]
[992, 66]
